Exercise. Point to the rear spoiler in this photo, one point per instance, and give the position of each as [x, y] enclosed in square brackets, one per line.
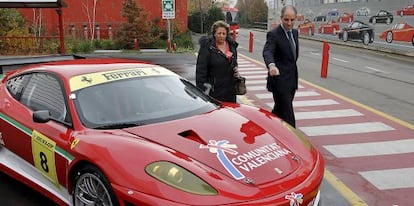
[19, 61]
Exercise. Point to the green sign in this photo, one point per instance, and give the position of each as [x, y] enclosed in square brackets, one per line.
[168, 9]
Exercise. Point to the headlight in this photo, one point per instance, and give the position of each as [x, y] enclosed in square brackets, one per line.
[299, 135]
[179, 178]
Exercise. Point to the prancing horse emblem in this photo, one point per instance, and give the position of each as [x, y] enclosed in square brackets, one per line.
[85, 79]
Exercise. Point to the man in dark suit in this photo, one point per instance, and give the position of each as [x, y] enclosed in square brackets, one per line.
[280, 54]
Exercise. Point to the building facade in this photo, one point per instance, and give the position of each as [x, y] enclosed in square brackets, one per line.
[83, 18]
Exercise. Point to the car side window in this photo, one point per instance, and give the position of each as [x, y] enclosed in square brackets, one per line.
[43, 92]
[15, 85]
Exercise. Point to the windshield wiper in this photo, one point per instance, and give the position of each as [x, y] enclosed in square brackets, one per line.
[117, 125]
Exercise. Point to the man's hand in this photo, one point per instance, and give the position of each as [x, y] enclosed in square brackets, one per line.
[273, 70]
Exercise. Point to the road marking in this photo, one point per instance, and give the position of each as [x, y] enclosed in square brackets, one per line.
[298, 94]
[250, 68]
[372, 148]
[316, 54]
[254, 72]
[347, 193]
[254, 76]
[248, 65]
[248, 82]
[309, 103]
[327, 114]
[341, 60]
[390, 179]
[377, 70]
[353, 128]
[256, 88]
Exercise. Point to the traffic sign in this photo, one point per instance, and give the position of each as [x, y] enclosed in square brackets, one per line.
[168, 9]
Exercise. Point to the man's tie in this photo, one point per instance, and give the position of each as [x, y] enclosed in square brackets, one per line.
[292, 44]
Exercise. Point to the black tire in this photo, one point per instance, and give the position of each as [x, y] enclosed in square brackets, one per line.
[323, 30]
[366, 38]
[389, 37]
[88, 182]
[345, 36]
[388, 21]
[374, 20]
[401, 13]
[412, 40]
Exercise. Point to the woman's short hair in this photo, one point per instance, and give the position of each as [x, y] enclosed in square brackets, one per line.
[219, 24]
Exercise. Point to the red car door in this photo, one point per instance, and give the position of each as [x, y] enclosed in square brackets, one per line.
[41, 144]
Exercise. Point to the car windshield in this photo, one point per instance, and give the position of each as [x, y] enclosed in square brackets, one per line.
[139, 101]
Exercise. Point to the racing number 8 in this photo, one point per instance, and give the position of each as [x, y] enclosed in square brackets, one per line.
[43, 151]
[43, 162]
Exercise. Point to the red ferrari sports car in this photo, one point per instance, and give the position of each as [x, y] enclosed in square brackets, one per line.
[409, 10]
[124, 132]
[346, 18]
[330, 27]
[307, 27]
[399, 32]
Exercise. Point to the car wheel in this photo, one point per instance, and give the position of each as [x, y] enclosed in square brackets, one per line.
[388, 21]
[389, 37]
[323, 30]
[310, 31]
[412, 40]
[92, 188]
[401, 13]
[374, 20]
[345, 36]
[340, 20]
[334, 31]
[366, 38]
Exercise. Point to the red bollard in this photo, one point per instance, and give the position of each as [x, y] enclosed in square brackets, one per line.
[234, 35]
[136, 44]
[175, 47]
[325, 60]
[251, 42]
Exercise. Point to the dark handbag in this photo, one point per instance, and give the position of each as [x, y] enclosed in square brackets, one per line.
[240, 85]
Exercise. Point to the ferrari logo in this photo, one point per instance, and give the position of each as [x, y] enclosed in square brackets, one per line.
[74, 143]
[85, 79]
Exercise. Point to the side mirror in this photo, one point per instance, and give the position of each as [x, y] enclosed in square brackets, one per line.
[41, 116]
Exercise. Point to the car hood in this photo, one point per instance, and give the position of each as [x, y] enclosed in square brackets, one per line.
[228, 142]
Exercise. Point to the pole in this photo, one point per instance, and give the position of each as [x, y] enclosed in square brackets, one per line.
[251, 42]
[169, 35]
[201, 16]
[325, 60]
[61, 34]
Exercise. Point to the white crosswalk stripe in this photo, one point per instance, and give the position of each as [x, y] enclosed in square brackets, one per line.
[327, 114]
[319, 102]
[391, 178]
[353, 128]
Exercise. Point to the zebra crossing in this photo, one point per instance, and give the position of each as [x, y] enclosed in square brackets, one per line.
[371, 154]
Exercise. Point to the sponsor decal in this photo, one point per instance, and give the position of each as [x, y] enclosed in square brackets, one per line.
[87, 80]
[235, 162]
[295, 199]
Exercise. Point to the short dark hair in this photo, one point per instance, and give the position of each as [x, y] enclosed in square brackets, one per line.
[288, 7]
[219, 24]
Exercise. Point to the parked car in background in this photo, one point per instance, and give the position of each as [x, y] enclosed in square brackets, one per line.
[409, 10]
[333, 12]
[382, 16]
[346, 18]
[357, 30]
[307, 27]
[319, 18]
[364, 11]
[399, 32]
[329, 27]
